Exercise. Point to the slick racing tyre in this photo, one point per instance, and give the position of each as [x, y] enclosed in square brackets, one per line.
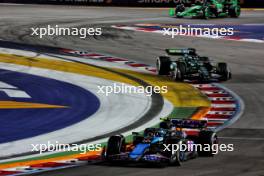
[179, 8]
[163, 65]
[115, 145]
[207, 139]
[223, 71]
[176, 158]
[234, 11]
[179, 72]
[214, 12]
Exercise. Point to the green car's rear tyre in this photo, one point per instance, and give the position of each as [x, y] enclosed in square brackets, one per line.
[163, 65]
[234, 11]
[179, 8]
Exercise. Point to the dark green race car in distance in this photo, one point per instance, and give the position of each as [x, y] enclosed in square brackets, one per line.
[183, 64]
[208, 9]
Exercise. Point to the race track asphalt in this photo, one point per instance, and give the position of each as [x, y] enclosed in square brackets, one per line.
[245, 59]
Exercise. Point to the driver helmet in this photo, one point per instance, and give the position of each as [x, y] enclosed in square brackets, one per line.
[150, 134]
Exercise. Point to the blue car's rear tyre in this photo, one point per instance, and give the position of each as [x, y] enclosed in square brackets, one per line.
[207, 138]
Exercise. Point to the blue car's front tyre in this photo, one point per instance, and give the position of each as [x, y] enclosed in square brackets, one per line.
[115, 145]
[175, 159]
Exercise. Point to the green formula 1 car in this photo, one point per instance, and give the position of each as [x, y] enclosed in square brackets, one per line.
[181, 64]
[208, 9]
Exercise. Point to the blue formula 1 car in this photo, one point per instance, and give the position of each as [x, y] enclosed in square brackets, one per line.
[158, 145]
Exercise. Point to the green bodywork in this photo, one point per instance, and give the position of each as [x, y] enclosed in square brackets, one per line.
[193, 63]
[208, 9]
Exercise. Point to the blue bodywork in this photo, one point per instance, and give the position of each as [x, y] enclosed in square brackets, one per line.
[139, 151]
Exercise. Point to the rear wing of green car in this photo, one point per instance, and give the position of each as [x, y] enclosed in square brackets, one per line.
[181, 52]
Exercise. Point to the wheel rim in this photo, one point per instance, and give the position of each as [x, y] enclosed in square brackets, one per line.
[215, 140]
[158, 65]
[175, 77]
[237, 11]
[181, 156]
[206, 13]
[173, 158]
[179, 75]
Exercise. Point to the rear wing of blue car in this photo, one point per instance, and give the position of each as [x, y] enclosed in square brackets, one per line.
[187, 123]
[181, 52]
